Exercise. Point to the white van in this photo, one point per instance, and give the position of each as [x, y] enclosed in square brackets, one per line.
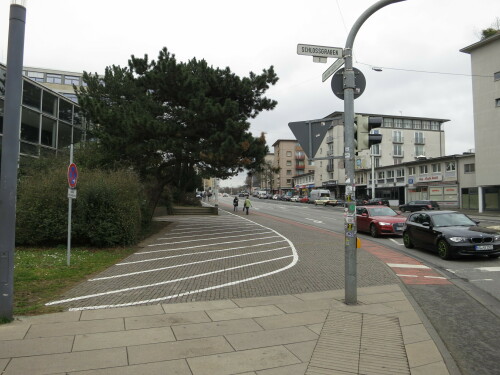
[319, 193]
[262, 194]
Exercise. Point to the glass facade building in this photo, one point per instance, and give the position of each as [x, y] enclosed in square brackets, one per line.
[50, 122]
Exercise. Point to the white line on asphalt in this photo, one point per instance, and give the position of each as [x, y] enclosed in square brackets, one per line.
[406, 275]
[396, 242]
[217, 230]
[314, 220]
[182, 265]
[199, 227]
[204, 234]
[435, 277]
[193, 247]
[165, 282]
[395, 265]
[199, 253]
[202, 239]
[295, 258]
[488, 269]
[475, 281]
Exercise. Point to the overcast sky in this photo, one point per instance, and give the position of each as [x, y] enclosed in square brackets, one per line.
[402, 38]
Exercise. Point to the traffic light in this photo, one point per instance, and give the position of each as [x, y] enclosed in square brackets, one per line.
[363, 140]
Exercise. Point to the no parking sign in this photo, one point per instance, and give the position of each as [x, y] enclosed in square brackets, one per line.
[72, 175]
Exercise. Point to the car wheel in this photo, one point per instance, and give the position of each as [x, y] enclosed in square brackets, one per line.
[493, 256]
[373, 231]
[402, 209]
[407, 241]
[444, 250]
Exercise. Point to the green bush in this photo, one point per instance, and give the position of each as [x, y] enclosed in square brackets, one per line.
[106, 212]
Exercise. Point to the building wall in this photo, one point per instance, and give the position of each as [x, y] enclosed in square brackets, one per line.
[291, 159]
[485, 61]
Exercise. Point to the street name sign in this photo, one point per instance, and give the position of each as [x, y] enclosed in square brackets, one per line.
[319, 51]
[332, 69]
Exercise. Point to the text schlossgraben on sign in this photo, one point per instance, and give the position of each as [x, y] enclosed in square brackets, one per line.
[320, 51]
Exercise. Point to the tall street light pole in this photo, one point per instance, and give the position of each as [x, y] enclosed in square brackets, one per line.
[10, 156]
[349, 154]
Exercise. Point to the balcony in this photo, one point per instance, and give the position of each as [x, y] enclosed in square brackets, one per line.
[329, 139]
[329, 153]
[300, 157]
[300, 167]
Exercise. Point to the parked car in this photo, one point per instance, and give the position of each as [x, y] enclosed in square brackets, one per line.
[325, 201]
[379, 220]
[294, 198]
[378, 201]
[419, 206]
[450, 233]
[275, 197]
[304, 199]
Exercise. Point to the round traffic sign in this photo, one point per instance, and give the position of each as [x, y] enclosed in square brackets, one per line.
[72, 175]
[338, 83]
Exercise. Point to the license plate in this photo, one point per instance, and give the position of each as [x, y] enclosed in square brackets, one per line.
[398, 229]
[483, 247]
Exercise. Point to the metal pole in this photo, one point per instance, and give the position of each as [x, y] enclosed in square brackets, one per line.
[70, 206]
[373, 173]
[10, 156]
[349, 154]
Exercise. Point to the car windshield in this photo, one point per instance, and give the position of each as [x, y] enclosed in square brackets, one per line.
[451, 219]
[382, 211]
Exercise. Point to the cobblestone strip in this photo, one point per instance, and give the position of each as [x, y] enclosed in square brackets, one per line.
[357, 343]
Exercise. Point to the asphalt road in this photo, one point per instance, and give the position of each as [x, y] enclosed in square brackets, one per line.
[465, 311]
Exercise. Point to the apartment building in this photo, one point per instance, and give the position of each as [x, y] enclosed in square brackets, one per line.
[485, 66]
[404, 139]
[291, 160]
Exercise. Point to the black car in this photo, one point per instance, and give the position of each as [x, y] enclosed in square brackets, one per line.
[450, 233]
[378, 201]
[419, 206]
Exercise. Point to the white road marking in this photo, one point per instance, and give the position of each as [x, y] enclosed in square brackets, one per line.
[182, 265]
[435, 277]
[396, 242]
[406, 275]
[294, 261]
[475, 281]
[488, 269]
[314, 220]
[395, 265]
[205, 239]
[197, 253]
[192, 247]
[163, 282]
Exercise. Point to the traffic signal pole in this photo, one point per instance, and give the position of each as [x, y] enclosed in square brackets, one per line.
[349, 155]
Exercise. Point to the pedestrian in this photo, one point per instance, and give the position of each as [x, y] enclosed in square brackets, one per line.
[235, 203]
[247, 204]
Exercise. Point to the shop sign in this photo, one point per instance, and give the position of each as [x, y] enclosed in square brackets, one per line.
[430, 178]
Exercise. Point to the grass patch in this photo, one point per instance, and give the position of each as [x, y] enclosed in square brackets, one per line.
[41, 274]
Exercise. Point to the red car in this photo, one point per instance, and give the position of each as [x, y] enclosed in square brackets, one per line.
[304, 199]
[379, 220]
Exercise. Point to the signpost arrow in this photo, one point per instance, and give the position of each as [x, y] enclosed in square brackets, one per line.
[332, 69]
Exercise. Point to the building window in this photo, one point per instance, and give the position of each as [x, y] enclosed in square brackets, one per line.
[398, 123]
[30, 126]
[36, 76]
[400, 172]
[407, 124]
[289, 153]
[419, 150]
[450, 167]
[377, 162]
[417, 124]
[397, 161]
[497, 102]
[423, 169]
[390, 174]
[419, 138]
[54, 78]
[469, 168]
[388, 123]
[376, 149]
[381, 175]
[71, 80]
[289, 181]
[397, 136]
[435, 125]
[289, 172]
[288, 163]
[436, 168]
[397, 150]
[426, 125]
[32, 95]
[49, 104]
[411, 171]
[496, 76]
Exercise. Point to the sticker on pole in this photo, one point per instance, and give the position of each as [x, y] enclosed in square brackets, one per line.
[72, 175]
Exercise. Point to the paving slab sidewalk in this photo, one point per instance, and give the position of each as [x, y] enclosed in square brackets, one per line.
[311, 333]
